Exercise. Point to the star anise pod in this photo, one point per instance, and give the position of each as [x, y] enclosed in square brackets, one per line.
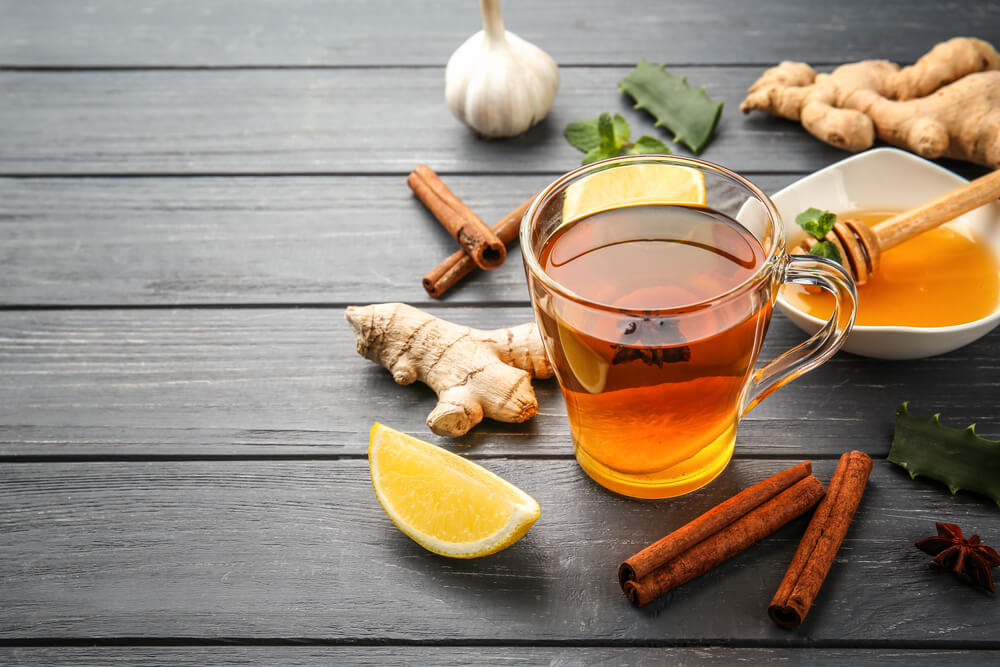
[647, 337]
[962, 555]
[651, 356]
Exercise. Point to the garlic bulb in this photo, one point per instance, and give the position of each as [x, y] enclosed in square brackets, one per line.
[497, 83]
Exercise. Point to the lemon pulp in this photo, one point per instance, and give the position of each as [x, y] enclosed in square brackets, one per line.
[633, 185]
[445, 503]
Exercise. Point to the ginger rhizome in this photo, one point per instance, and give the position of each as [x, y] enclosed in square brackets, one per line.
[947, 104]
[474, 373]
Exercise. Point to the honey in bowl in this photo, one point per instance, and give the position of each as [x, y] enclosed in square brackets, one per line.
[940, 278]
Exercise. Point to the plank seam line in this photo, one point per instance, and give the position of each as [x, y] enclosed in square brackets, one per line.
[194, 458]
[305, 305]
[802, 643]
[554, 173]
[67, 67]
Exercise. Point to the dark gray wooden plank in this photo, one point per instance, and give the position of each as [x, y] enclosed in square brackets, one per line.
[260, 382]
[120, 241]
[339, 32]
[197, 656]
[239, 240]
[302, 549]
[344, 121]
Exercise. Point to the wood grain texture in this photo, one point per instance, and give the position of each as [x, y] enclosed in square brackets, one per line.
[257, 382]
[382, 32]
[190, 192]
[240, 240]
[343, 121]
[302, 549]
[340, 121]
[339, 239]
[431, 656]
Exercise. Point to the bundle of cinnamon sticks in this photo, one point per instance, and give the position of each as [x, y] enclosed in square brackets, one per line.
[748, 517]
[481, 246]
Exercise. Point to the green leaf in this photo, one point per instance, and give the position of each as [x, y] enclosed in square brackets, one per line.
[606, 136]
[958, 457]
[688, 112]
[648, 144]
[816, 222]
[827, 249]
[583, 134]
[599, 138]
[595, 155]
[606, 129]
[604, 142]
[622, 130]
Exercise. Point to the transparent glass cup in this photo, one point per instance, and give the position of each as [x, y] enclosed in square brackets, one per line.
[654, 394]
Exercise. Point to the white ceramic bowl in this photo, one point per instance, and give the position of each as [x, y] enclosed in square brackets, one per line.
[887, 178]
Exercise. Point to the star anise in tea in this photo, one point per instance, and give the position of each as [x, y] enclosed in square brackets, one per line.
[648, 335]
[961, 555]
[651, 356]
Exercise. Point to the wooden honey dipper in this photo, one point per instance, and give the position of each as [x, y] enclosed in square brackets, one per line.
[861, 246]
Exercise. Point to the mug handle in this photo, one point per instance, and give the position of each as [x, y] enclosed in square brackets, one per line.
[831, 276]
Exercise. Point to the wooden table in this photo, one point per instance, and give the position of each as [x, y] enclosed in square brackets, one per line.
[192, 192]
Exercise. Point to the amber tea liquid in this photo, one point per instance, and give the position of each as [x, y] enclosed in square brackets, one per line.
[653, 401]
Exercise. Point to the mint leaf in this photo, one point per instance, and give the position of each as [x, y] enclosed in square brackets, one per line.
[622, 130]
[595, 155]
[648, 144]
[606, 128]
[607, 136]
[828, 250]
[583, 134]
[816, 223]
[607, 144]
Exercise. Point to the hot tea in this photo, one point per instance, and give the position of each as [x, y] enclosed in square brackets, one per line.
[652, 278]
[654, 397]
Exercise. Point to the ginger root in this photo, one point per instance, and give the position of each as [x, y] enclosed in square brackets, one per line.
[945, 105]
[474, 373]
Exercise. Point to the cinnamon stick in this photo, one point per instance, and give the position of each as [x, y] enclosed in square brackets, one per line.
[459, 264]
[821, 541]
[735, 538]
[478, 240]
[709, 523]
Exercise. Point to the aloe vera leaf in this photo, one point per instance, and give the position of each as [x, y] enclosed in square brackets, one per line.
[958, 457]
[687, 112]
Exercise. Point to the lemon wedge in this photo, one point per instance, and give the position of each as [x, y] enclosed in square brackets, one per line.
[445, 503]
[631, 185]
[589, 368]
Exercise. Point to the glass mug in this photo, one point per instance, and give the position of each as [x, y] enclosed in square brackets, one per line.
[653, 280]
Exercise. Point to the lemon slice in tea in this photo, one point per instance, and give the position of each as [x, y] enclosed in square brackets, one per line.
[631, 185]
[589, 368]
[445, 503]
